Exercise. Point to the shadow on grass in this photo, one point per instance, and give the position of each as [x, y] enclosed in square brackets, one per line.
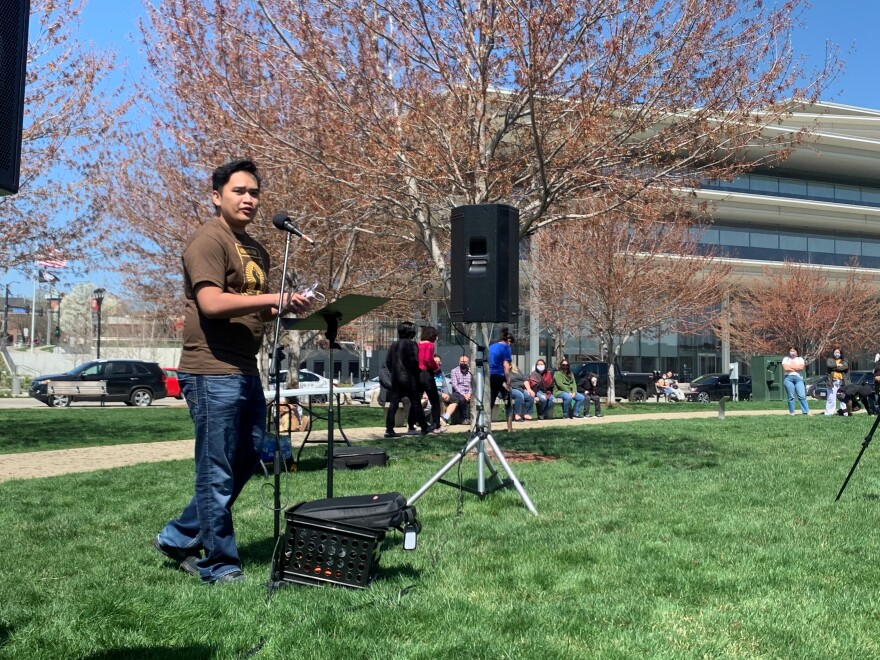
[582, 446]
[192, 652]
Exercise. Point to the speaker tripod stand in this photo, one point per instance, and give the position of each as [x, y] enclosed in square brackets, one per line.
[480, 437]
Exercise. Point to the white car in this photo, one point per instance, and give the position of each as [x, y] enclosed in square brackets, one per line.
[307, 380]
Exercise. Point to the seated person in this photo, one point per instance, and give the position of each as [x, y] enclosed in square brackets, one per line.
[462, 388]
[448, 403]
[521, 398]
[541, 384]
[588, 385]
[660, 385]
[565, 388]
[672, 390]
[291, 417]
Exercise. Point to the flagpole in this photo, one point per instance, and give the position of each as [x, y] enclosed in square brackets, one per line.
[33, 313]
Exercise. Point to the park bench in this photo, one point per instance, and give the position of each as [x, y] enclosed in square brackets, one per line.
[77, 388]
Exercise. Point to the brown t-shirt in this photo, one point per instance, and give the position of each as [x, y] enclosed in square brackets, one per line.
[237, 264]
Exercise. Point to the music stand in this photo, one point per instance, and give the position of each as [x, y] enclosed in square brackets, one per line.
[330, 319]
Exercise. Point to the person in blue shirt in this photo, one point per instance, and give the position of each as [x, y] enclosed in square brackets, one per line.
[500, 357]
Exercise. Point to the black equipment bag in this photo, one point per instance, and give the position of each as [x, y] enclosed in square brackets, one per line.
[381, 512]
[358, 458]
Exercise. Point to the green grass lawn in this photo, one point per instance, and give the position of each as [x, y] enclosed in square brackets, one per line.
[655, 539]
[39, 429]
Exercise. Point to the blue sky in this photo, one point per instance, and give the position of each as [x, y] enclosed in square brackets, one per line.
[850, 24]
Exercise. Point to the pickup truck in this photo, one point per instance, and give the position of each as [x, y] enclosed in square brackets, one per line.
[627, 384]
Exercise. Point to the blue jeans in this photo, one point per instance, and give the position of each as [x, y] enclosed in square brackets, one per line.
[794, 385]
[229, 413]
[522, 401]
[545, 404]
[567, 398]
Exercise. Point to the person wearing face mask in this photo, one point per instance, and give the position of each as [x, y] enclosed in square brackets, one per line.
[588, 385]
[565, 387]
[541, 384]
[500, 358]
[792, 366]
[838, 377]
[462, 383]
[521, 397]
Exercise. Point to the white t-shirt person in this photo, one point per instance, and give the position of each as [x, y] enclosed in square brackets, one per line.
[794, 382]
[793, 364]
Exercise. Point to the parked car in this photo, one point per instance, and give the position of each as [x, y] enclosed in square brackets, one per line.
[365, 396]
[627, 384]
[711, 387]
[811, 382]
[820, 391]
[134, 382]
[171, 382]
[307, 380]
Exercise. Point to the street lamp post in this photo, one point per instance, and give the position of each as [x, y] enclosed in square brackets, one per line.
[53, 304]
[99, 300]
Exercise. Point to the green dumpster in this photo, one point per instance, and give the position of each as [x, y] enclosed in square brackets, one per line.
[767, 378]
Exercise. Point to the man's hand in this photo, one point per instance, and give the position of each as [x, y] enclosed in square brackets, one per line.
[295, 303]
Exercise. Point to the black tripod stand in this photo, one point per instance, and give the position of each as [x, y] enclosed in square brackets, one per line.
[480, 437]
[865, 443]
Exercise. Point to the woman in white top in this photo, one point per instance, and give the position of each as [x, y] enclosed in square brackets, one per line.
[794, 381]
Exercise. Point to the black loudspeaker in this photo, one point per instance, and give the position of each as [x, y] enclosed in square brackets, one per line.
[485, 264]
[13, 60]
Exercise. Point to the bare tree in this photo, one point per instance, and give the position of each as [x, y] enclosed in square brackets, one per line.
[70, 120]
[372, 120]
[798, 306]
[639, 269]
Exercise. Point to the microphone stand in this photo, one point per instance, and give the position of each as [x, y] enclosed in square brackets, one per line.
[277, 359]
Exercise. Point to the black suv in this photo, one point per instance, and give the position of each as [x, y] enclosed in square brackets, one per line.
[711, 387]
[135, 382]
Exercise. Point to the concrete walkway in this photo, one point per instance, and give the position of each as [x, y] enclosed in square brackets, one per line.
[34, 465]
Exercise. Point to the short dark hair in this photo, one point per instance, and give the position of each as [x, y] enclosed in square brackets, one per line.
[429, 333]
[222, 174]
[220, 177]
[506, 335]
[406, 330]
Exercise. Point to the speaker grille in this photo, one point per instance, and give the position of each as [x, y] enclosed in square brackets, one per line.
[485, 263]
[13, 58]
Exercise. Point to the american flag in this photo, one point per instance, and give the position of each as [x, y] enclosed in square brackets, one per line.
[51, 262]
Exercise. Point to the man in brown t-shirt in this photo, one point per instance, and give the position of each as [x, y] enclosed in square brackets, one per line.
[227, 303]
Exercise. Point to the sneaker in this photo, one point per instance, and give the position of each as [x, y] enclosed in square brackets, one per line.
[177, 555]
[231, 576]
[440, 429]
[391, 434]
[588, 416]
[599, 415]
[184, 558]
[414, 432]
[189, 565]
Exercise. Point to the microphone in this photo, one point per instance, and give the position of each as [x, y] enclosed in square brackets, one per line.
[283, 222]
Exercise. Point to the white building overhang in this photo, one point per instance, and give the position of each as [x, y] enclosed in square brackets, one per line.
[750, 208]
